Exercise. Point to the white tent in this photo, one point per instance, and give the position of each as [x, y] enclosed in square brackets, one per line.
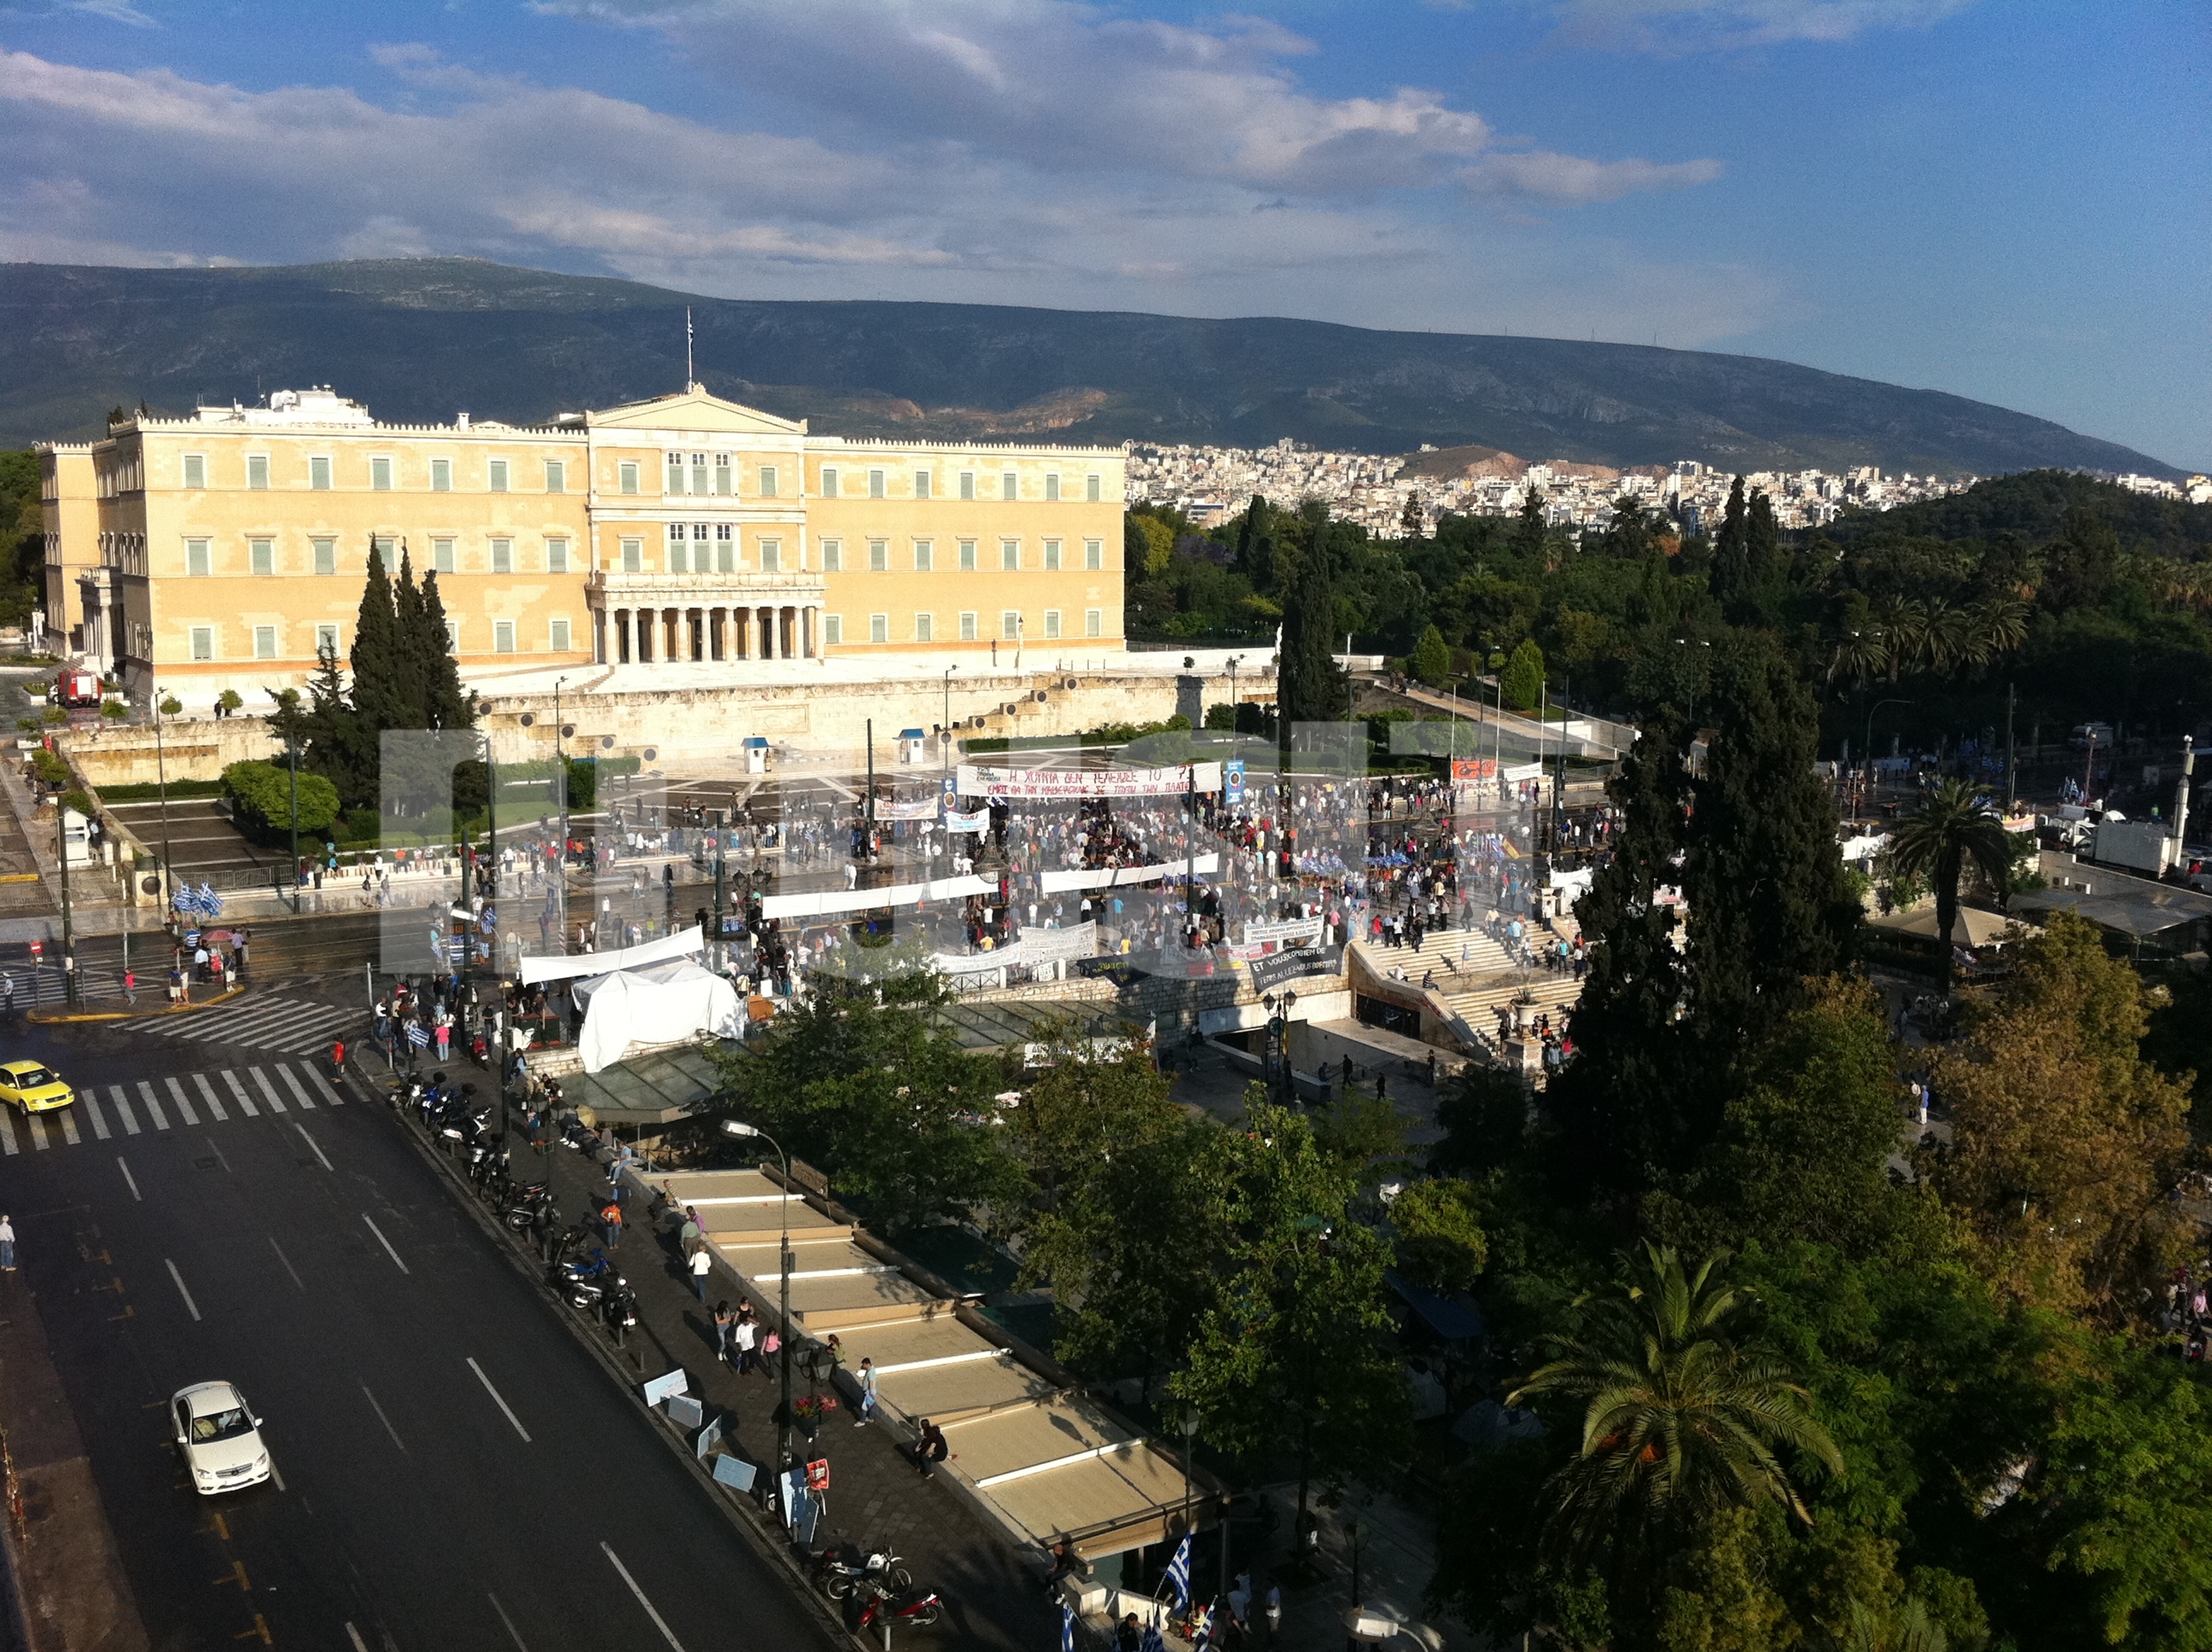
[664, 1004]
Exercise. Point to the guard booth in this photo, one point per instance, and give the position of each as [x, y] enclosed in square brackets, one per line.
[912, 743]
[756, 755]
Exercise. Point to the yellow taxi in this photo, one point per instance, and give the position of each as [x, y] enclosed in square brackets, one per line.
[32, 1087]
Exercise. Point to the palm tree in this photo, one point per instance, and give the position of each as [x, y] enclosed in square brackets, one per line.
[1680, 1419]
[2002, 622]
[1905, 629]
[1860, 655]
[1954, 823]
[1954, 638]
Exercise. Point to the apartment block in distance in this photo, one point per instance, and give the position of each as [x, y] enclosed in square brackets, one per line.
[227, 549]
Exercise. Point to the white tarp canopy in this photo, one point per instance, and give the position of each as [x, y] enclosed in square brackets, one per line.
[555, 966]
[662, 1004]
[829, 902]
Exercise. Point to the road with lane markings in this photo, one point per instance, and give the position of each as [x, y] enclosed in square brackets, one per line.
[452, 1469]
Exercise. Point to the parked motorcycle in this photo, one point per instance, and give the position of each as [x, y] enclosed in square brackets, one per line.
[618, 1308]
[846, 1567]
[920, 1607]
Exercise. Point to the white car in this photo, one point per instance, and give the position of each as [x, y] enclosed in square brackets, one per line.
[220, 1437]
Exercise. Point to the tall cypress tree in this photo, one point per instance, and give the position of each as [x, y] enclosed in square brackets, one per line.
[1662, 1035]
[1731, 579]
[379, 671]
[408, 646]
[445, 704]
[1623, 1105]
[1762, 543]
[1770, 904]
[1530, 533]
[1309, 684]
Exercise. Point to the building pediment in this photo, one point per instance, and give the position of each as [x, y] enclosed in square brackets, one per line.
[695, 410]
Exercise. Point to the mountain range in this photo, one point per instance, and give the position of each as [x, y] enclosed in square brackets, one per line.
[417, 339]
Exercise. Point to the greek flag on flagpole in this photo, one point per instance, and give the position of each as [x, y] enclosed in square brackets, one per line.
[1179, 1572]
[1153, 1641]
[1201, 1628]
[418, 1035]
[1067, 1627]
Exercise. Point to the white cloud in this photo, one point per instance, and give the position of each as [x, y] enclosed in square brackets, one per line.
[1058, 87]
[1686, 25]
[1309, 207]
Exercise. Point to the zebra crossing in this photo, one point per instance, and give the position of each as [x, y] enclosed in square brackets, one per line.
[190, 1099]
[294, 1026]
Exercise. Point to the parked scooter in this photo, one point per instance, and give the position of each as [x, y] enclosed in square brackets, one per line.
[524, 1205]
[583, 1283]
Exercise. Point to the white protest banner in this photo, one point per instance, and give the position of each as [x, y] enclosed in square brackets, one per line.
[1058, 883]
[907, 808]
[1073, 783]
[1284, 929]
[978, 822]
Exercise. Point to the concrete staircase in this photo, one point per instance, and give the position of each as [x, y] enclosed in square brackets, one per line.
[1474, 989]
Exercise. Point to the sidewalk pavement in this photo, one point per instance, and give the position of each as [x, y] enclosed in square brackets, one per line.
[64, 1573]
[994, 1595]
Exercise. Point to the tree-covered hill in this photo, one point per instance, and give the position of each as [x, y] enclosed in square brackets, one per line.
[418, 339]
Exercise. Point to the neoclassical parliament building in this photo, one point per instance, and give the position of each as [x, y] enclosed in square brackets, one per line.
[228, 548]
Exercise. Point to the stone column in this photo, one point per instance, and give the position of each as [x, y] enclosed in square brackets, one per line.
[715, 634]
[767, 634]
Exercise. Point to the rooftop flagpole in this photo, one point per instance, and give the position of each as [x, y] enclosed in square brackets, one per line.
[689, 372]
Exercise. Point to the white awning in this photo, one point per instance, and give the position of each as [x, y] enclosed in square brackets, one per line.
[568, 967]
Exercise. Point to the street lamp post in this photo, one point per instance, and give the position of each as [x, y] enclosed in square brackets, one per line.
[561, 773]
[1875, 707]
[162, 703]
[945, 734]
[737, 1127]
[69, 944]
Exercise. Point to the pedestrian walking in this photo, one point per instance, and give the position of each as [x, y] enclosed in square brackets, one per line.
[130, 986]
[703, 1263]
[610, 1223]
[7, 1245]
[8, 993]
[746, 1337]
[337, 1058]
[865, 1413]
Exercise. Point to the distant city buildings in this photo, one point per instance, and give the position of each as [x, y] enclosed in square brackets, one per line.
[1212, 484]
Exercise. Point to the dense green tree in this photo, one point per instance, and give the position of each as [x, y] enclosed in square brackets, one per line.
[1802, 1152]
[2121, 1506]
[1125, 1210]
[2065, 1142]
[1440, 1243]
[864, 1080]
[1295, 1351]
[1522, 681]
[1431, 659]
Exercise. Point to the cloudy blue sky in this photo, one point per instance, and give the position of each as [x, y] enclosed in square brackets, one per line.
[2004, 200]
